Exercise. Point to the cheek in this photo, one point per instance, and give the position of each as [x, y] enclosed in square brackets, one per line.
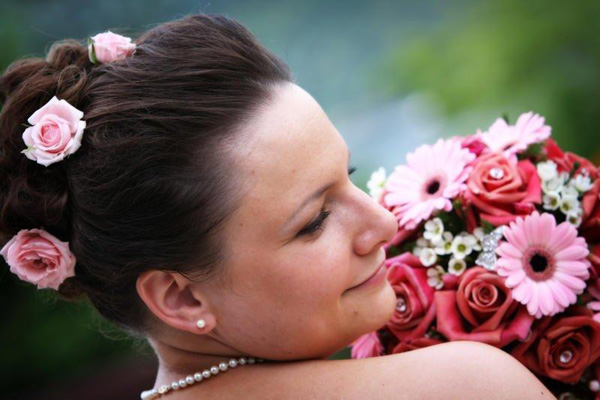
[312, 275]
[290, 307]
[308, 277]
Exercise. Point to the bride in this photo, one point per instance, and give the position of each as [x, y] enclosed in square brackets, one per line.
[209, 209]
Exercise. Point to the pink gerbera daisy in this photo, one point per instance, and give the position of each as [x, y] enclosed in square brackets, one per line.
[367, 345]
[545, 264]
[512, 139]
[432, 176]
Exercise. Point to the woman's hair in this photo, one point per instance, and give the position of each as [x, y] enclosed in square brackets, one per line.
[153, 183]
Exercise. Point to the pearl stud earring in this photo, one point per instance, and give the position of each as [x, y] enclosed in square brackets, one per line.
[201, 323]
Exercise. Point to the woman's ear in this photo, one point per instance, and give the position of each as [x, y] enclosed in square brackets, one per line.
[169, 297]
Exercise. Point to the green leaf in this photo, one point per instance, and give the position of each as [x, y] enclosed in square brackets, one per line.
[457, 204]
[452, 222]
[487, 227]
[576, 166]
[92, 52]
[434, 334]
[505, 117]
[393, 251]
[406, 246]
[534, 151]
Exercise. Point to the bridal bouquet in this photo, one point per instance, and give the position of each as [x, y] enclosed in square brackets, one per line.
[498, 242]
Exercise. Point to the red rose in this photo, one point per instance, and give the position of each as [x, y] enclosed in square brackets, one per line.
[590, 220]
[389, 340]
[592, 289]
[502, 190]
[415, 344]
[566, 161]
[414, 307]
[563, 346]
[481, 309]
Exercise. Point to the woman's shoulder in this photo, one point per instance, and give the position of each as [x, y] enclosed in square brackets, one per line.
[450, 370]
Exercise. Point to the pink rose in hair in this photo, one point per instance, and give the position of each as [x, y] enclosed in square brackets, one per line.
[38, 257]
[108, 46]
[56, 132]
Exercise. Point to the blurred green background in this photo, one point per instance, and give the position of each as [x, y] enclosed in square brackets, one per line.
[390, 75]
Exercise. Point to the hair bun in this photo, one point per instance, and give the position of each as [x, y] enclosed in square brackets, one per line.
[153, 183]
[32, 195]
[68, 53]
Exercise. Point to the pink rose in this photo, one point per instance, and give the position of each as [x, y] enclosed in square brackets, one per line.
[414, 297]
[56, 132]
[481, 309]
[367, 345]
[109, 46]
[502, 190]
[38, 257]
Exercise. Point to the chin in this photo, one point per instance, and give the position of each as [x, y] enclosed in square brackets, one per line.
[388, 306]
[377, 309]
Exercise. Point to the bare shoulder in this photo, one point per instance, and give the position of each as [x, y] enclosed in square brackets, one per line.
[461, 370]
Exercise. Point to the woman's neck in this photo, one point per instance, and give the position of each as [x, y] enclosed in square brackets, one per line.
[176, 363]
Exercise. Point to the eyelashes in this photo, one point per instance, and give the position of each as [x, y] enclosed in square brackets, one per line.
[317, 224]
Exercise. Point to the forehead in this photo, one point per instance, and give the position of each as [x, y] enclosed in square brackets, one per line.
[291, 149]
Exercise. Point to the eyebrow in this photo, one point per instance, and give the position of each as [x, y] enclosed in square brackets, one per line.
[318, 193]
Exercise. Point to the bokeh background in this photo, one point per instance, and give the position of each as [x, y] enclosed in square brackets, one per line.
[390, 75]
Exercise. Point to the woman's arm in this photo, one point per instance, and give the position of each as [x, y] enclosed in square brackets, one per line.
[455, 370]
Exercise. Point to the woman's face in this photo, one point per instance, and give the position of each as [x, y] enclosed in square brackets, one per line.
[287, 294]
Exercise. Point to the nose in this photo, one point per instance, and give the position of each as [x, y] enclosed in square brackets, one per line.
[377, 225]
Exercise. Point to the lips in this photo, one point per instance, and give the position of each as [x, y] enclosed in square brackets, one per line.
[370, 276]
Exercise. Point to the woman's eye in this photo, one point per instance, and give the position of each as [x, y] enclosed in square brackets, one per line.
[316, 225]
[351, 170]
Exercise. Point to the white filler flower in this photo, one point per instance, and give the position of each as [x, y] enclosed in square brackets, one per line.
[376, 183]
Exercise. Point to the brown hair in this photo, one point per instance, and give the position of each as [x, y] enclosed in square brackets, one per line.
[152, 183]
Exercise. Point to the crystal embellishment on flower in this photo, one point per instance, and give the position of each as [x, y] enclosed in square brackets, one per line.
[487, 258]
[512, 139]
[432, 176]
[545, 264]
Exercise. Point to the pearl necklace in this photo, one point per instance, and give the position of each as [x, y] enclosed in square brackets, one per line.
[197, 377]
